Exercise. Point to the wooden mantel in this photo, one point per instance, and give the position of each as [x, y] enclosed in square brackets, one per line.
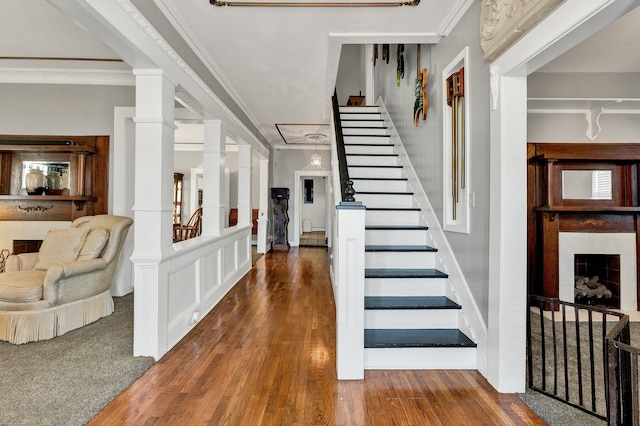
[89, 167]
[549, 213]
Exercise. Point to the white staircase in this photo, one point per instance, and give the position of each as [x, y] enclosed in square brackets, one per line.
[410, 323]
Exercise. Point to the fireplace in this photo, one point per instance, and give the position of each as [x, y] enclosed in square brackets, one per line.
[611, 256]
[597, 279]
[26, 246]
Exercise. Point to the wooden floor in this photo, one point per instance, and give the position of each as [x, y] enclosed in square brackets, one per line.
[266, 356]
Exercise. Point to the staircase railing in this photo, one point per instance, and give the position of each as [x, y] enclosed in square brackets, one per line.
[623, 387]
[347, 262]
[346, 185]
[580, 355]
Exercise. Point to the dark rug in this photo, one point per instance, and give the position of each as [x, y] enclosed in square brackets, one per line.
[68, 379]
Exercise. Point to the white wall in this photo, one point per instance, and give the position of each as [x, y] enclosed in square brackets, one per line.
[425, 145]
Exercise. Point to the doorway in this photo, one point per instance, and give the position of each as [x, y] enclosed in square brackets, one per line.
[312, 216]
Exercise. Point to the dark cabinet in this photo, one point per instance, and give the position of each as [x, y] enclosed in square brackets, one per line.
[280, 212]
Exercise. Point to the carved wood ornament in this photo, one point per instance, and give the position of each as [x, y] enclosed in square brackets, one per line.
[502, 22]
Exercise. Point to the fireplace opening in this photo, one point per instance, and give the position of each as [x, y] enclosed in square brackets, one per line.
[597, 280]
[26, 246]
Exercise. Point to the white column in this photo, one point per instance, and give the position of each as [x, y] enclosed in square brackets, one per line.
[153, 208]
[369, 77]
[350, 300]
[508, 238]
[244, 184]
[214, 199]
[263, 214]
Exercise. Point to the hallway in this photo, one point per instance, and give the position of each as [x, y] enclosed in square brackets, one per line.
[266, 355]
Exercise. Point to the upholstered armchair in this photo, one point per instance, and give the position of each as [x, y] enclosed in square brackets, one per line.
[64, 286]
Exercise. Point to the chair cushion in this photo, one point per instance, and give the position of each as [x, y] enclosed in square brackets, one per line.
[21, 286]
[60, 246]
[94, 244]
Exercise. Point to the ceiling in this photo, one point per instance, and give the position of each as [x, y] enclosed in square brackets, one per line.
[278, 64]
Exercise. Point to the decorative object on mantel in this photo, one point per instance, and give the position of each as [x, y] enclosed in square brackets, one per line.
[421, 104]
[4, 254]
[385, 53]
[455, 99]
[35, 182]
[502, 22]
[55, 184]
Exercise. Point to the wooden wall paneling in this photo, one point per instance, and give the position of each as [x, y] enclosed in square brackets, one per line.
[549, 225]
[532, 194]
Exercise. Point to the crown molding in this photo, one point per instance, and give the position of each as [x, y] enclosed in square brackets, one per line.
[182, 29]
[141, 21]
[454, 17]
[67, 76]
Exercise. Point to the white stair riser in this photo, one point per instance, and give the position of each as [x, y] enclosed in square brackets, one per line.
[364, 109]
[387, 237]
[369, 149]
[361, 116]
[385, 200]
[374, 140]
[372, 160]
[399, 260]
[420, 358]
[381, 185]
[361, 131]
[404, 287]
[368, 122]
[369, 172]
[410, 318]
[393, 217]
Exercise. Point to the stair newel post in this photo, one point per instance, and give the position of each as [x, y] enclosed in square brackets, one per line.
[350, 290]
[349, 192]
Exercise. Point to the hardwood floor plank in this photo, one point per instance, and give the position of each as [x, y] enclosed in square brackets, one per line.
[265, 355]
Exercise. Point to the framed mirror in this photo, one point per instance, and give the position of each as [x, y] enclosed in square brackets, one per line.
[59, 170]
[586, 185]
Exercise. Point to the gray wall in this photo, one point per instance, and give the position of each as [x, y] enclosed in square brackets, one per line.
[61, 109]
[285, 163]
[425, 145]
[573, 127]
[350, 78]
[51, 109]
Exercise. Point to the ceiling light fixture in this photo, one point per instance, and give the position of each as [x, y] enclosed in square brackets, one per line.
[316, 159]
[313, 4]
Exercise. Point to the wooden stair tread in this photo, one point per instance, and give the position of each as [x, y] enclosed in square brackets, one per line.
[403, 273]
[398, 248]
[421, 302]
[418, 338]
